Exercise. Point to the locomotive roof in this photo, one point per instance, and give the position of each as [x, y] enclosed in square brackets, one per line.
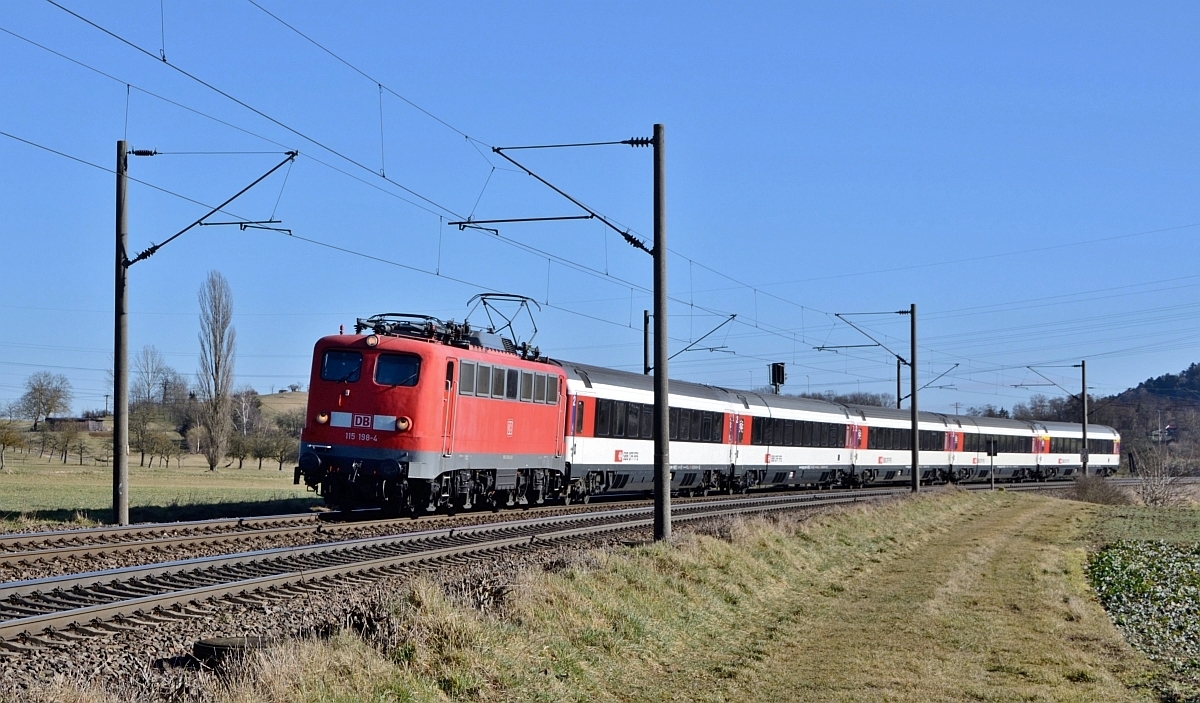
[589, 374]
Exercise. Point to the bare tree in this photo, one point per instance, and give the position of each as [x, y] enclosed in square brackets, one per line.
[247, 411]
[239, 448]
[140, 417]
[261, 447]
[79, 447]
[10, 437]
[215, 384]
[291, 423]
[1159, 478]
[66, 439]
[286, 448]
[150, 371]
[194, 439]
[46, 394]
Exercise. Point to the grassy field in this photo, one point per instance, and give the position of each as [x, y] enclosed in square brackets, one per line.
[34, 490]
[942, 598]
[46, 490]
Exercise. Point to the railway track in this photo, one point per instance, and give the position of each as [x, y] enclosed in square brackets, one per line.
[62, 609]
[153, 540]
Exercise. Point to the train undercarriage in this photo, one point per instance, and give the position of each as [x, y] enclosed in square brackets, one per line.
[493, 489]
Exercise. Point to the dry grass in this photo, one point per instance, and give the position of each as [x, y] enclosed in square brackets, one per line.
[949, 597]
[1095, 489]
[955, 597]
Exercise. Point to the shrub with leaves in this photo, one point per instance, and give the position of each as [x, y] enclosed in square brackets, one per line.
[1152, 592]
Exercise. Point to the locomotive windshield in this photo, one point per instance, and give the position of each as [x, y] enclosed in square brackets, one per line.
[397, 369]
[341, 366]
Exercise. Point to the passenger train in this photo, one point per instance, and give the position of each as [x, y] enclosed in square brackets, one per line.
[411, 413]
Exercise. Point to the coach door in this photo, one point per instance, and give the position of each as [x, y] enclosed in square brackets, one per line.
[449, 410]
[560, 433]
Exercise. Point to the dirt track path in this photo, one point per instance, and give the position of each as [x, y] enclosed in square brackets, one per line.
[993, 609]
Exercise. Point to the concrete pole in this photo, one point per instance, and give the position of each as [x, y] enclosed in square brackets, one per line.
[1083, 455]
[120, 349]
[912, 399]
[662, 450]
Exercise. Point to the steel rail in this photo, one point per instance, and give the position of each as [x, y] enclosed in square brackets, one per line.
[162, 536]
[122, 592]
[22, 539]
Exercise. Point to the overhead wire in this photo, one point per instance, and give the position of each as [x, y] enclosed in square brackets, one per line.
[253, 109]
[777, 331]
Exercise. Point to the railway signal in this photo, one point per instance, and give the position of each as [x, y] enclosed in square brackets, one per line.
[778, 376]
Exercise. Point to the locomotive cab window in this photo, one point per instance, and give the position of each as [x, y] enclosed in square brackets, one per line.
[397, 369]
[341, 366]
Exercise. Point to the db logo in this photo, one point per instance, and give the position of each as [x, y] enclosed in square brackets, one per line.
[617, 456]
[363, 421]
[1060, 460]
[975, 460]
[885, 460]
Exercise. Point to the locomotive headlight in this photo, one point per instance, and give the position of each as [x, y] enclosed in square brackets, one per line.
[373, 340]
[322, 418]
[403, 424]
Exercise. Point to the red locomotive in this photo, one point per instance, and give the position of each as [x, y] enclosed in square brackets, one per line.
[422, 413]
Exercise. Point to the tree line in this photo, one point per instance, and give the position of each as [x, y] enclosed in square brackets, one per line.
[209, 415]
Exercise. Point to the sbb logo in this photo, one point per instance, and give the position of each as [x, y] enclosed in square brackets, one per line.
[362, 421]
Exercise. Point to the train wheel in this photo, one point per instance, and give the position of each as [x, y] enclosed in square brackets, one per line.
[587, 498]
[566, 499]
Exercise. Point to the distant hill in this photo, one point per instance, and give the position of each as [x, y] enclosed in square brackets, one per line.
[283, 401]
[1183, 386]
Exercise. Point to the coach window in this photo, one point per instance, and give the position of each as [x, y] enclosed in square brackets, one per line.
[673, 421]
[706, 427]
[647, 421]
[539, 388]
[603, 418]
[483, 380]
[633, 420]
[697, 422]
[618, 429]
[397, 369]
[578, 416]
[466, 378]
[341, 366]
[526, 386]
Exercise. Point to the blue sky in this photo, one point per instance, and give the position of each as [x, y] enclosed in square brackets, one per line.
[1026, 173]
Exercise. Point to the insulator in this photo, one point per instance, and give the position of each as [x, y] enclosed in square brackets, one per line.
[641, 141]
